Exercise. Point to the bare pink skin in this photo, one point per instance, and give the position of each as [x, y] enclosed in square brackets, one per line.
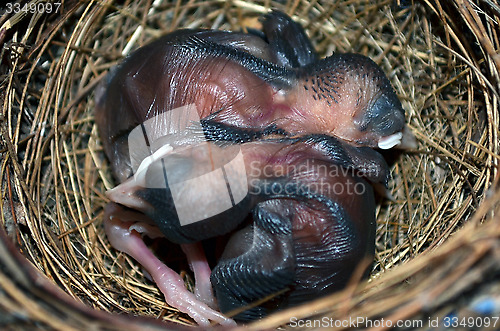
[163, 76]
[199, 265]
[124, 237]
[169, 74]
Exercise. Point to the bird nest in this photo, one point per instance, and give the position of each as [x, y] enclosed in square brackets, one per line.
[437, 244]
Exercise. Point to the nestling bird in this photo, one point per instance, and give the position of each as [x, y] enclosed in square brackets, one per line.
[259, 122]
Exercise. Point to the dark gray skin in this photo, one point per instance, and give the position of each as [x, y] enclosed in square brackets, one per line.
[308, 242]
[276, 99]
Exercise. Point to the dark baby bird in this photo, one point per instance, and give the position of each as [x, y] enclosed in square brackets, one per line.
[290, 137]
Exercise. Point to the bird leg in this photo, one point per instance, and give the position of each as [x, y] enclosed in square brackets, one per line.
[199, 265]
[123, 236]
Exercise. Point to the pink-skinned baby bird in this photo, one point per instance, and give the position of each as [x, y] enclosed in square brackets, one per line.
[250, 134]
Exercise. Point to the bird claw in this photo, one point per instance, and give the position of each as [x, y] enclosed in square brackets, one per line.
[123, 236]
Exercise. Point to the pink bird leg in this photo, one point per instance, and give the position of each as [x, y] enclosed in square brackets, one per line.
[124, 237]
[199, 265]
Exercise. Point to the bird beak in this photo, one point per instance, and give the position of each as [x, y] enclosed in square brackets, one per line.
[125, 193]
[390, 141]
[401, 140]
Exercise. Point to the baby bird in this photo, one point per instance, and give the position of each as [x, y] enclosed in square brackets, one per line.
[204, 128]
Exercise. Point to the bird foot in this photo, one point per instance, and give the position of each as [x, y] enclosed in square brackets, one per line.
[124, 237]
